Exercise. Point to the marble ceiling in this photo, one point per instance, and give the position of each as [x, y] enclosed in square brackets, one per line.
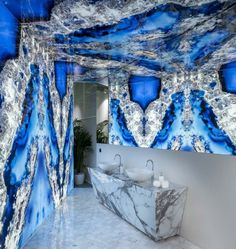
[107, 34]
[114, 34]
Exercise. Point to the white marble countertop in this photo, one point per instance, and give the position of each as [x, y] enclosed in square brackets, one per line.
[148, 185]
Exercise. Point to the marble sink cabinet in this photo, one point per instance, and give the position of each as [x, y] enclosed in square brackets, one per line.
[156, 212]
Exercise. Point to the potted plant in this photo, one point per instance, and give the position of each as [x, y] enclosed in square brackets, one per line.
[102, 132]
[82, 143]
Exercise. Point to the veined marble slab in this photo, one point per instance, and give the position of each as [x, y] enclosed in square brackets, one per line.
[156, 212]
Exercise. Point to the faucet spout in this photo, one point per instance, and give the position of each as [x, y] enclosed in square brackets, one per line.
[152, 163]
[118, 155]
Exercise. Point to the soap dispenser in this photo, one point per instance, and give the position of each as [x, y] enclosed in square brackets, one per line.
[161, 177]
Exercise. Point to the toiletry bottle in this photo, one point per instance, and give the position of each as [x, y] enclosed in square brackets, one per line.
[161, 177]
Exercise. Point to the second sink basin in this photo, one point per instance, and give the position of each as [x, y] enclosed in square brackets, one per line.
[139, 175]
[107, 167]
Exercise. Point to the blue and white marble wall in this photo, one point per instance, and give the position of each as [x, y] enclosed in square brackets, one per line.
[171, 67]
[173, 111]
[36, 141]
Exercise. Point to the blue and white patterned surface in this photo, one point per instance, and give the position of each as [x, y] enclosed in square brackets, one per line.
[185, 119]
[38, 140]
[171, 68]
[36, 163]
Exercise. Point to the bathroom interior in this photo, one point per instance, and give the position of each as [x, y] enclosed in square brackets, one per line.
[117, 124]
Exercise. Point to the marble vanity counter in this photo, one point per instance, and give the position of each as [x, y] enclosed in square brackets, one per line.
[156, 212]
[148, 185]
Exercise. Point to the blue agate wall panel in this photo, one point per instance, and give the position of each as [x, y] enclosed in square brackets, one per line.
[36, 133]
[171, 69]
[179, 91]
[189, 112]
[36, 156]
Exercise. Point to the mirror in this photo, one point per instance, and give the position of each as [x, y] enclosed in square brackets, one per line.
[102, 94]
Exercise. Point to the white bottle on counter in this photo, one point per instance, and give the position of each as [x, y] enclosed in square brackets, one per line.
[161, 177]
[157, 183]
[165, 184]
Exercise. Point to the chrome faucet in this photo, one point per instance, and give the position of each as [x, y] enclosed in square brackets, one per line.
[150, 161]
[118, 155]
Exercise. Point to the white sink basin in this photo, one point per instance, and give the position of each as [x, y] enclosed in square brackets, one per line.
[139, 175]
[105, 166]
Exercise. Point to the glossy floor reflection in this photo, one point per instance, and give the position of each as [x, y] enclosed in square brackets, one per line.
[85, 224]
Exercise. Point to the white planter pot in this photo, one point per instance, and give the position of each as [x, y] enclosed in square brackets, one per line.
[79, 179]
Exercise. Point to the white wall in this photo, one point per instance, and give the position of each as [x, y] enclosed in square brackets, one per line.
[210, 213]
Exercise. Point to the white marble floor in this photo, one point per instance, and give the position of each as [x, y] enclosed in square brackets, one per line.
[82, 223]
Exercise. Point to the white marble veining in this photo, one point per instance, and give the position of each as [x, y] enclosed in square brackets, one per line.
[156, 212]
[83, 223]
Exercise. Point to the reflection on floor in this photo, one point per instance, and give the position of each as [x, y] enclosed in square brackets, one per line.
[85, 224]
